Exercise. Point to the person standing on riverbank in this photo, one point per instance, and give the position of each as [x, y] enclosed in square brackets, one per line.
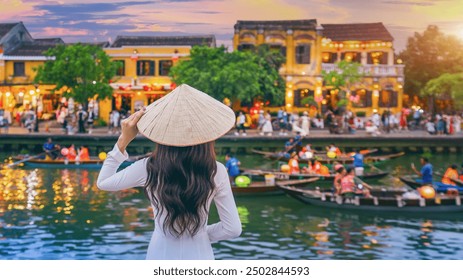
[182, 177]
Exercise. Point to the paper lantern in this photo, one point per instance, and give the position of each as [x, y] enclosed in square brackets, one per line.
[102, 156]
[284, 168]
[242, 181]
[427, 192]
[331, 154]
[64, 151]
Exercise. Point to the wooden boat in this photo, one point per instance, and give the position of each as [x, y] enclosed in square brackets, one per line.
[326, 160]
[415, 182]
[285, 176]
[381, 201]
[260, 187]
[93, 163]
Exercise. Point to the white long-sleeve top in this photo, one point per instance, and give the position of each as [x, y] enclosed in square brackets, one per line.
[163, 245]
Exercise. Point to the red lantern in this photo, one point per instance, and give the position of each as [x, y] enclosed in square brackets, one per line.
[121, 88]
[173, 86]
[146, 88]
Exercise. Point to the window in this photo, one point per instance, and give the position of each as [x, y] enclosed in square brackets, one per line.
[362, 98]
[303, 54]
[164, 67]
[279, 49]
[351, 57]
[301, 96]
[19, 69]
[121, 70]
[145, 68]
[377, 58]
[387, 98]
[328, 57]
[246, 47]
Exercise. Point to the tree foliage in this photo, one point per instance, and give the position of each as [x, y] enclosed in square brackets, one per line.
[235, 75]
[79, 71]
[450, 85]
[428, 56]
[342, 79]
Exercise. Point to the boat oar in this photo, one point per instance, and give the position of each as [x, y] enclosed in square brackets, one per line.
[24, 160]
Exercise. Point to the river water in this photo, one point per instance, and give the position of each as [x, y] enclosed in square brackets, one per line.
[60, 214]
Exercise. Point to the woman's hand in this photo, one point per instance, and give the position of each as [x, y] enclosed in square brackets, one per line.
[129, 130]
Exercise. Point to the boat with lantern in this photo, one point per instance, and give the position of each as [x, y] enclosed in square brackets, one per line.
[381, 200]
[286, 176]
[324, 159]
[266, 187]
[415, 183]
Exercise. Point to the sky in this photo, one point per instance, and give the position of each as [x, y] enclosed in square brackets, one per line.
[103, 20]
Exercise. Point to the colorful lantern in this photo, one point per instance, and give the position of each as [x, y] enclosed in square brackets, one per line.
[427, 192]
[284, 168]
[242, 181]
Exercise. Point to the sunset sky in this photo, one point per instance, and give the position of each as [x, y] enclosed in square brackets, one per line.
[103, 20]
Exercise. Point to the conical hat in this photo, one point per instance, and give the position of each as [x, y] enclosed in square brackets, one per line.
[186, 117]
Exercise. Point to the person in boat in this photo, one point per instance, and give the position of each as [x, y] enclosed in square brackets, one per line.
[306, 152]
[358, 163]
[289, 148]
[294, 164]
[83, 154]
[352, 186]
[51, 149]
[450, 173]
[313, 167]
[298, 141]
[340, 173]
[232, 164]
[334, 149]
[461, 172]
[72, 154]
[425, 172]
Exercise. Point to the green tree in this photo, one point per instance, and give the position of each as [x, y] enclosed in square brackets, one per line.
[342, 79]
[428, 56]
[79, 71]
[446, 85]
[235, 75]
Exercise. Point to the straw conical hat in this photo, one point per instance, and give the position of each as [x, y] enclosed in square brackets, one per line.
[186, 117]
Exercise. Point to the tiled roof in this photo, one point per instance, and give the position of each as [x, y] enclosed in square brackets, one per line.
[357, 32]
[120, 41]
[305, 24]
[35, 48]
[6, 27]
[98, 44]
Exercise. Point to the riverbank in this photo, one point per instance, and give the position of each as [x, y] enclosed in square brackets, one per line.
[20, 140]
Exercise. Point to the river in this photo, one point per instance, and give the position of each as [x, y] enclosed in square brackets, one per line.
[60, 214]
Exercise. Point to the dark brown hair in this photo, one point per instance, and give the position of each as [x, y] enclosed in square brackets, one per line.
[180, 181]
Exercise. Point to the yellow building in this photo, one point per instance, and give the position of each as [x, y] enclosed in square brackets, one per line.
[143, 77]
[20, 54]
[310, 49]
[146, 61]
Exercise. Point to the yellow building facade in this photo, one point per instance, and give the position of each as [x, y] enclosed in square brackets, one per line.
[142, 79]
[310, 49]
[146, 61]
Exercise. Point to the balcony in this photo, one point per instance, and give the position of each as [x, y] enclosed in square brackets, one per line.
[373, 70]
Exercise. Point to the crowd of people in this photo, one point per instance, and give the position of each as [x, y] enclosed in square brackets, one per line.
[339, 121]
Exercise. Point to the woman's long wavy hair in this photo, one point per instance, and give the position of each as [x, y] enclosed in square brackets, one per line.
[180, 181]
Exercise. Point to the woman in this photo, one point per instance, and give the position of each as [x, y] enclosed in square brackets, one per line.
[267, 128]
[181, 177]
[305, 123]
